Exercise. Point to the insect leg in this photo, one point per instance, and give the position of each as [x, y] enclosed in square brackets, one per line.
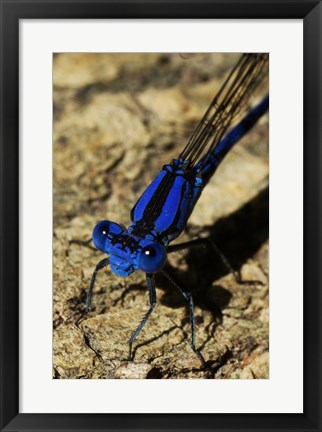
[188, 297]
[152, 299]
[202, 242]
[105, 262]
[86, 243]
[98, 267]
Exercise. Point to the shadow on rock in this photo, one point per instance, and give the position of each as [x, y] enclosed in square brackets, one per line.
[238, 236]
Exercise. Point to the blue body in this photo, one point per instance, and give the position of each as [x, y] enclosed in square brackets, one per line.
[162, 212]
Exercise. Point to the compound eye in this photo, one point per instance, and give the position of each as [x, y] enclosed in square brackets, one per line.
[103, 232]
[152, 258]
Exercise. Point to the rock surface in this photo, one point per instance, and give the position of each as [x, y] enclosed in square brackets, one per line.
[117, 119]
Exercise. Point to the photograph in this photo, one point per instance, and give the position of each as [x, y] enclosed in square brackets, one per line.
[160, 215]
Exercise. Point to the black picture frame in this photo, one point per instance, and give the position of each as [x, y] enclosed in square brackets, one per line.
[11, 13]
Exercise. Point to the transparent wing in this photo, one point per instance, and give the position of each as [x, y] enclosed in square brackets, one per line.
[232, 100]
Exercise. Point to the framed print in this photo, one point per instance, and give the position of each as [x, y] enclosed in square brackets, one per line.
[103, 328]
[158, 218]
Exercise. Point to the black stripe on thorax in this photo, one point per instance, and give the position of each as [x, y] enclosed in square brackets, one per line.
[156, 203]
